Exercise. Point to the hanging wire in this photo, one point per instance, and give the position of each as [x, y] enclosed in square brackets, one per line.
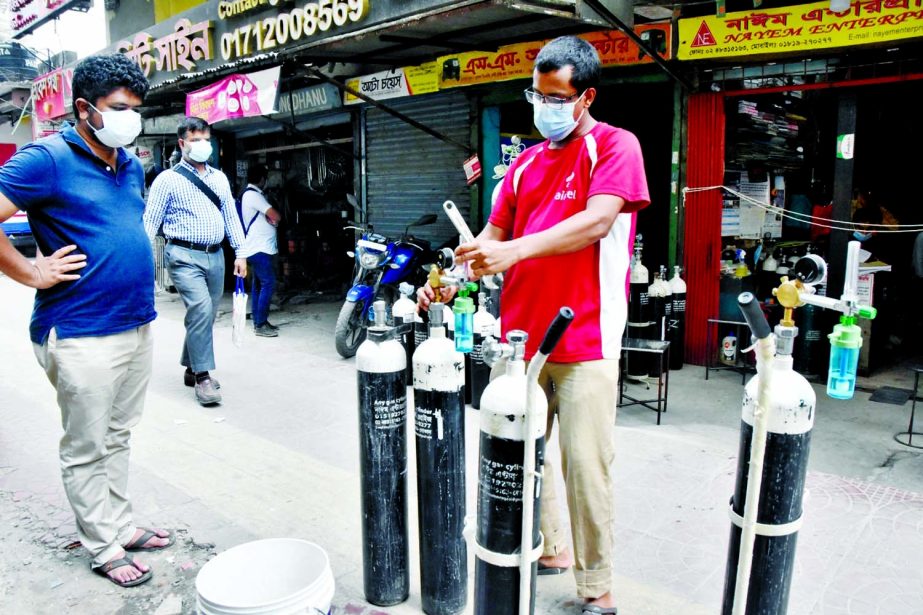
[838, 225]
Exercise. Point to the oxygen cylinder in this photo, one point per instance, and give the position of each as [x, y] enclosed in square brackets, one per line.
[640, 325]
[660, 298]
[677, 322]
[788, 407]
[480, 371]
[404, 312]
[667, 304]
[381, 363]
[439, 424]
[500, 481]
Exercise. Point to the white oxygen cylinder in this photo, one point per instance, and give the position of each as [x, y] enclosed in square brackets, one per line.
[480, 371]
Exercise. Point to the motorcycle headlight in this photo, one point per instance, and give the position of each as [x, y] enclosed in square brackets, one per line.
[369, 259]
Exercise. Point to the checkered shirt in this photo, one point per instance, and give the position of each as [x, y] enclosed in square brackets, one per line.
[187, 214]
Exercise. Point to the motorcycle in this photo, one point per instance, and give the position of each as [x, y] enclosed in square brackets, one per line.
[381, 265]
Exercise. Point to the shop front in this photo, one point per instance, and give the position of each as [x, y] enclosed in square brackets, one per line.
[789, 153]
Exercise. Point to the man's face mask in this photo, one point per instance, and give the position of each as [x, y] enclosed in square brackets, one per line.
[199, 151]
[120, 128]
[555, 121]
[859, 236]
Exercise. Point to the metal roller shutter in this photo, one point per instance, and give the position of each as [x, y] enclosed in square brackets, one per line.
[411, 173]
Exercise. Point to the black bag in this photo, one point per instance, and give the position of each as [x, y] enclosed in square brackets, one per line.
[214, 198]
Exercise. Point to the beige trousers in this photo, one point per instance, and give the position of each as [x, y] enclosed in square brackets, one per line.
[101, 383]
[583, 396]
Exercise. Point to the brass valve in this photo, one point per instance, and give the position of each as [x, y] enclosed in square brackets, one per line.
[789, 295]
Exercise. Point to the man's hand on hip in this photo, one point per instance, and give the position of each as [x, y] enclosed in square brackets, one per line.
[50, 270]
[240, 267]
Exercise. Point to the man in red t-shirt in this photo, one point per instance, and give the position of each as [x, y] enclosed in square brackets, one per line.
[561, 230]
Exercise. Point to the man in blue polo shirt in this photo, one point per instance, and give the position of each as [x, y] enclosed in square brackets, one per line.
[94, 301]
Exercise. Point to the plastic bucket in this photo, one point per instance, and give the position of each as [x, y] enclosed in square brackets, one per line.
[277, 576]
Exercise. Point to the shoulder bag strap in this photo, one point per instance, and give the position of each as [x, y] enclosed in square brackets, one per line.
[197, 181]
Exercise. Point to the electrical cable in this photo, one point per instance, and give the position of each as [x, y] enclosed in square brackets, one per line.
[837, 225]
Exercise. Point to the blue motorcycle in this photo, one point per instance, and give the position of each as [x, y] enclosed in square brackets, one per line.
[381, 265]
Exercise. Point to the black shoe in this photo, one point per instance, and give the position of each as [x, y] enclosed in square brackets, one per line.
[270, 325]
[265, 331]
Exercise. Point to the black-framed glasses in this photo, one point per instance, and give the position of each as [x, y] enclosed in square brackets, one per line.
[553, 102]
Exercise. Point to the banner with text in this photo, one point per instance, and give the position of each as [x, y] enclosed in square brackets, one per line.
[244, 95]
[51, 94]
[515, 61]
[407, 81]
[801, 28]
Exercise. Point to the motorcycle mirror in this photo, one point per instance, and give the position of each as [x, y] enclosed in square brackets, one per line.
[424, 220]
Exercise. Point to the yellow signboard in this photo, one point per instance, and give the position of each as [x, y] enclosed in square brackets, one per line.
[396, 83]
[515, 61]
[799, 28]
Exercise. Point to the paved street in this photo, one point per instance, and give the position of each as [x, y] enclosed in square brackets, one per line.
[280, 458]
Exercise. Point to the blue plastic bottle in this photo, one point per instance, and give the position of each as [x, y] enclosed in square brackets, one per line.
[845, 342]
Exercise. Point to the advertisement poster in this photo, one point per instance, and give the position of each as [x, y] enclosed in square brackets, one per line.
[244, 95]
[408, 81]
[802, 28]
[516, 61]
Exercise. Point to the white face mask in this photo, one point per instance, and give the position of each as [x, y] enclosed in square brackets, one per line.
[120, 128]
[199, 151]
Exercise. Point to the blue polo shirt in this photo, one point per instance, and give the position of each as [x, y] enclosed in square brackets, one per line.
[73, 197]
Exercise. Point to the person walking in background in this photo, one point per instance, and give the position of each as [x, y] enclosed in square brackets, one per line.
[260, 220]
[563, 216]
[94, 301]
[194, 206]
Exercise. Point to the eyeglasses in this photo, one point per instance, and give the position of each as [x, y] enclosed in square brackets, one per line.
[553, 102]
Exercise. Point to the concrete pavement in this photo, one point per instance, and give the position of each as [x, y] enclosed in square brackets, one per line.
[280, 458]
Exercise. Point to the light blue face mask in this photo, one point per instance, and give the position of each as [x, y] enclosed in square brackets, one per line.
[861, 236]
[555, 124]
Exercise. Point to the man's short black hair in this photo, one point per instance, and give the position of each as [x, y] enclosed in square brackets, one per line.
[97, 76]
[575, 52]
[256, 173]
[191, 124]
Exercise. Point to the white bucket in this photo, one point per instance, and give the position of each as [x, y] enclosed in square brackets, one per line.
[277, 576]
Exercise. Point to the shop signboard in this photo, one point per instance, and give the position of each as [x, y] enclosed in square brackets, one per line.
[515, 61]
[313, 99]
[806, 27]
[27, 15]
[236, 96]
[409, 81]
[51, 94]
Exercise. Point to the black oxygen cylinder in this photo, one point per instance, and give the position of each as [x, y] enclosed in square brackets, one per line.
[500, 485]
[640, 324]
[439, 424]
[660, 298]
[782, 427]
[480, 372]
[808, 346]
[677, 323]
[383, 464]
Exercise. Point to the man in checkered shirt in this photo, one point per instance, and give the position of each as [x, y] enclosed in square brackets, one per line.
[194, 206]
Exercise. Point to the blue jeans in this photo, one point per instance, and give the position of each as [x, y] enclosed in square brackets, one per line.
[199, 278]
[264, 283]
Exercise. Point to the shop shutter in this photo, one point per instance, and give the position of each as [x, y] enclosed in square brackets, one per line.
[410, 172]
[702, 239]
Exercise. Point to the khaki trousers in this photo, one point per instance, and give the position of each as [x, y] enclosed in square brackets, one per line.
[101, 383]
[583, 396]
